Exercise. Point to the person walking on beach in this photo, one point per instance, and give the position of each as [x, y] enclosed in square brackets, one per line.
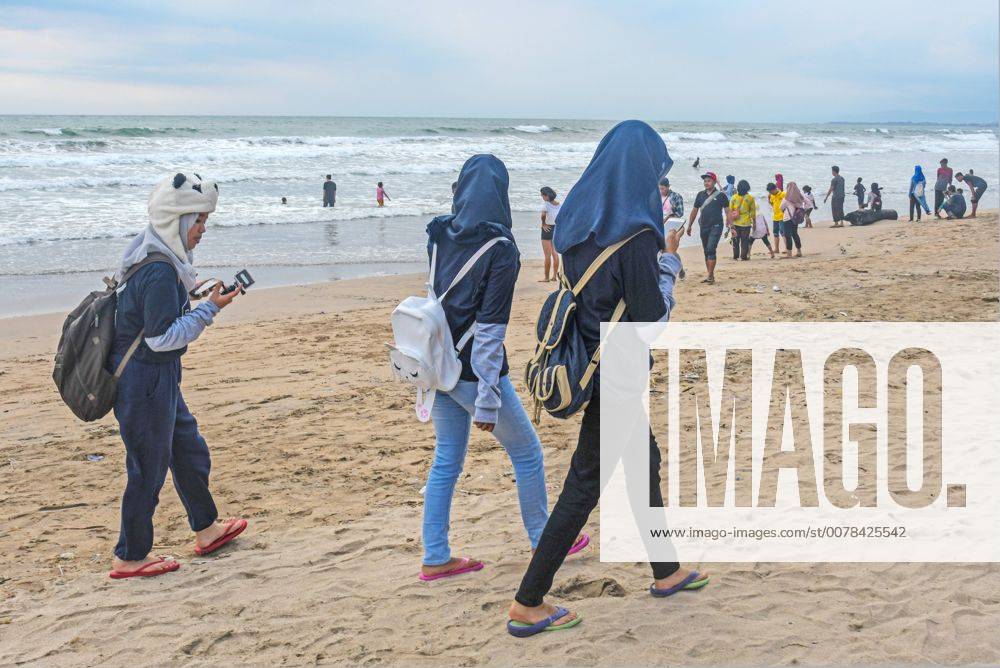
[859, 192]
[918, 200]
[807, 195]
[944, 177]
[794, 207]
[329, 191]
[744, 215]
[155, 324]
[550, 209]
[672, 203]
[837, 190]
[614, 201]
[713, 207]
[775, 197]
[977, 187]
[381, 195]
[484, 396]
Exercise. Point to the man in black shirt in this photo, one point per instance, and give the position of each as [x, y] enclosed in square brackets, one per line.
[713, 205]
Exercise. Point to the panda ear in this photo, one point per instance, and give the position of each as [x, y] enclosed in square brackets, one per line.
[179, 180]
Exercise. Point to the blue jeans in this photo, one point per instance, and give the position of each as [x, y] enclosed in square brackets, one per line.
[452, 416]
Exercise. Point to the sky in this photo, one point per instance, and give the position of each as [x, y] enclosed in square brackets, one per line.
[737, 60]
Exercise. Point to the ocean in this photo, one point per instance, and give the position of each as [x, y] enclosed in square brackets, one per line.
[73, 189]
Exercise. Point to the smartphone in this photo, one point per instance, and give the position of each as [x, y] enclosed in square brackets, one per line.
[674, 224]
[205, 288]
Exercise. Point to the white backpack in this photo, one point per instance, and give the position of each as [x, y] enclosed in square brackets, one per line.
[423, 353]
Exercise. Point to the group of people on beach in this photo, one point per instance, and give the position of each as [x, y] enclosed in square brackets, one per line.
[330, 193]
[616, 231]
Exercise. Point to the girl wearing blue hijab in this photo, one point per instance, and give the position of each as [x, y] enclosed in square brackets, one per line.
[484, 395]
[617, 198]
[918, 200]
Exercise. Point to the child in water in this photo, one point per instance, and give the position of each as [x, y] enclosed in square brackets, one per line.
[381, 195]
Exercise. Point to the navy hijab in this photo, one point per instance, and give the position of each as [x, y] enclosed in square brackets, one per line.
[618, 193]
[482, 210]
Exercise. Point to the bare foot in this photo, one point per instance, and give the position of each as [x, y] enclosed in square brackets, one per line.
[677, 577]
[526, 615]
[451, 564]
[123, 566]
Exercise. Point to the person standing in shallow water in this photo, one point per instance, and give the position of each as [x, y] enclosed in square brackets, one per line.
[381, 195]
[329, 191]
[615, 200]
[550, 209]
[158, 430]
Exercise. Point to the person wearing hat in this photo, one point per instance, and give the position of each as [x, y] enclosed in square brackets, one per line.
[711, 209]
[155, 323]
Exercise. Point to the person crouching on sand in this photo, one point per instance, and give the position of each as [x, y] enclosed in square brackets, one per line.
[158, 430]
[614, 200]
[484, 395]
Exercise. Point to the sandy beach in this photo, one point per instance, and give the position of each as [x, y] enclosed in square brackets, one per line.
[321, 452]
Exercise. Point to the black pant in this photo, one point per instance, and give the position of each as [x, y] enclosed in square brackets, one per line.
[938, 199]
[741, 242]
[766, 240]
[915, 204]
[578, 498]
[791, 231]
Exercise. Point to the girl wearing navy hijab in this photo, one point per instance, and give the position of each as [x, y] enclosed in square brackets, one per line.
[484, 395]
[616, 197]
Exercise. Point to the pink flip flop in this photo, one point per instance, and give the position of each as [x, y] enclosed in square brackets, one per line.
[462, 567]
[581, 542]
[144, 570]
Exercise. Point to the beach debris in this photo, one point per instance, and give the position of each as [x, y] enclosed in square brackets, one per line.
[843, 313]
[423, 490]
[66, 556]
[691, 375]
[94, 458]
[776, 287]
[759, 287]
[860, 271]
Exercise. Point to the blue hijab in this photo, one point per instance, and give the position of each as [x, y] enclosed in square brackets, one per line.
[482, 210]
[918, 175]
[618, 193]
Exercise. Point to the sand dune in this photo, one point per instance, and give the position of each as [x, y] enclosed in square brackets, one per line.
[322, 454]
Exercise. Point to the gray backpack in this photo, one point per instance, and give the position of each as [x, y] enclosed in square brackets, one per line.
[80, 372]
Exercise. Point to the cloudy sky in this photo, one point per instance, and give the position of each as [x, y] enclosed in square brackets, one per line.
[742, 60]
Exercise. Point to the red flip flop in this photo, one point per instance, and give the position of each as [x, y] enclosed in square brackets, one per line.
[144, 572]
[233, 529]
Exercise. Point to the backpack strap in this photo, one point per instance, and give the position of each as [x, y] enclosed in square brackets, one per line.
[128, 355]
[596, 359]
[600, 260]
[465, 267]
[149, 259]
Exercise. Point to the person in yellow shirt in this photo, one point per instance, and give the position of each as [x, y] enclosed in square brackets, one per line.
[744, 213]
[776, 196]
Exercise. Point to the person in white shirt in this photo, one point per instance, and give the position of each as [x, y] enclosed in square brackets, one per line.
[550, 209]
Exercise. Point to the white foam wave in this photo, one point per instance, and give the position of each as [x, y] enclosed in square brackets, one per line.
[533, 129]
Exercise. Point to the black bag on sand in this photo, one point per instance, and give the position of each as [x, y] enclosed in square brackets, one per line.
[559, 374]
[80, 372]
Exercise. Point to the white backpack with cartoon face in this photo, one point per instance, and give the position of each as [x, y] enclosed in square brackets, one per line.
[423, 353]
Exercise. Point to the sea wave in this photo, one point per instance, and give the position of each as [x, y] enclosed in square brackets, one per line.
[695, 136]
[533, 129]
